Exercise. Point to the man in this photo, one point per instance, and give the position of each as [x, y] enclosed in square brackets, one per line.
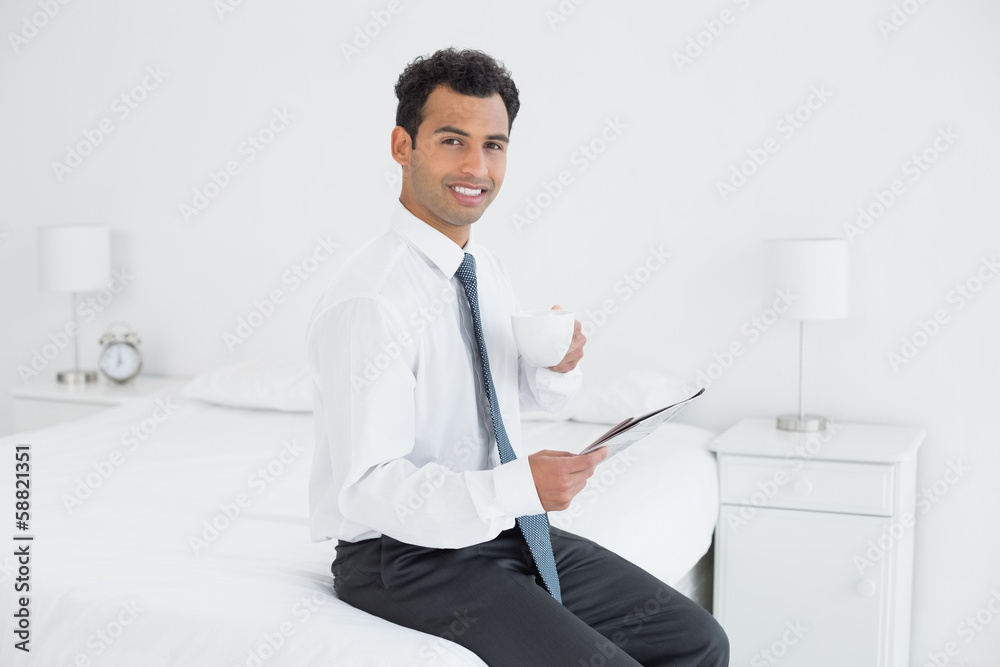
[419, 470]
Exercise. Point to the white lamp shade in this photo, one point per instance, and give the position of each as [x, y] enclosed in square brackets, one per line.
[815, 275]
[74, 258]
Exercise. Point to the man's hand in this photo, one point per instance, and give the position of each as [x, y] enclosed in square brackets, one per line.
[559, 476]
[575, 352]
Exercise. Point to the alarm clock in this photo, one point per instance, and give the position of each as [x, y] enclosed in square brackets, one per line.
[120, 360]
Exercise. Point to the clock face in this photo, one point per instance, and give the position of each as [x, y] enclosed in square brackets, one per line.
[120, 361]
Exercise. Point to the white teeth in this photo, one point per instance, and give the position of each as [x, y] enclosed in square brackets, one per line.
[467, 191]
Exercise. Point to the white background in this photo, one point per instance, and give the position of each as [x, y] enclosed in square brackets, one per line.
[684, 128]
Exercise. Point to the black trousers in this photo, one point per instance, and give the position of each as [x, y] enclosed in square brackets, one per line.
[490, 599]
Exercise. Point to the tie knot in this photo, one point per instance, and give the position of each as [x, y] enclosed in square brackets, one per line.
[467, 270]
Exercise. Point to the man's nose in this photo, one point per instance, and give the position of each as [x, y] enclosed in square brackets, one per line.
[475, 163]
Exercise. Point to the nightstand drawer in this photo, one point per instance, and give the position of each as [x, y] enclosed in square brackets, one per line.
[825, 486]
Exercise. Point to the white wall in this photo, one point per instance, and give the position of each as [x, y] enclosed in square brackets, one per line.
[328, 173]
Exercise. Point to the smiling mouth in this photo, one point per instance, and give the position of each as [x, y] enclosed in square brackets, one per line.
[466, 196]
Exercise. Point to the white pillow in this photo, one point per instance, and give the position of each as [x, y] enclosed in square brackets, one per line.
[264, 383]
[278, 384]
[629, 394]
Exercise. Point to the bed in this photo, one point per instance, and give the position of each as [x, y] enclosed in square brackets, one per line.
[173, 531]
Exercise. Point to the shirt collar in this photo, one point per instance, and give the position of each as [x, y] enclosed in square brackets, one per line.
[435, 246]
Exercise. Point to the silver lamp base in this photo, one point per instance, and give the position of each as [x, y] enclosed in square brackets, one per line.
[804, 423]
[76, 377]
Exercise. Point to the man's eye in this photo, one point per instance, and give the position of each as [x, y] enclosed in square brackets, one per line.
[495, 146]
[451, 140]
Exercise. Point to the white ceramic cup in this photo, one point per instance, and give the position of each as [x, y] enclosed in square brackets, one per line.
[543, 336]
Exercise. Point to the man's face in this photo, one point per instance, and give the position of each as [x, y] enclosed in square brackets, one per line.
[458, 165]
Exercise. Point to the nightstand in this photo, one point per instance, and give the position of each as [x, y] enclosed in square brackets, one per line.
[814, 546]
[45, 402]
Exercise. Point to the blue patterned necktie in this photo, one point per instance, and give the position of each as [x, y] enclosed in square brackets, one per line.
[535, 528]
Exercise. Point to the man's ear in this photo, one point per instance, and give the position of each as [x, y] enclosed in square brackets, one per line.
[402, 147]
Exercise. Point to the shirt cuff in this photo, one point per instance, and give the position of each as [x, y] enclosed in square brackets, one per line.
[566, 383]
[516, 488]
[554, 389]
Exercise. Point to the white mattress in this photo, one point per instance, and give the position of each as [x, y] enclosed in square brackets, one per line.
[117, 580]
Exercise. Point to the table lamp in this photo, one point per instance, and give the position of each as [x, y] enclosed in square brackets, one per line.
[815, 274]
[74, 259]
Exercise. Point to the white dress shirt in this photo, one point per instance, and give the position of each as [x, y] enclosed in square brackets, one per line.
[403, 446]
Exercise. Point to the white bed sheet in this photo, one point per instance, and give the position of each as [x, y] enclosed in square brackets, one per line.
[117, 580]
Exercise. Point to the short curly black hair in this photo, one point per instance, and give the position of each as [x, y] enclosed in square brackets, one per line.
[467, 72]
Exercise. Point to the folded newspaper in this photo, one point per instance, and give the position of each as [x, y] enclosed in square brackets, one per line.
[634, 429]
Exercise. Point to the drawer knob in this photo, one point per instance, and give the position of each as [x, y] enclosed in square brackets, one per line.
[866, 587]
[803, 487]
